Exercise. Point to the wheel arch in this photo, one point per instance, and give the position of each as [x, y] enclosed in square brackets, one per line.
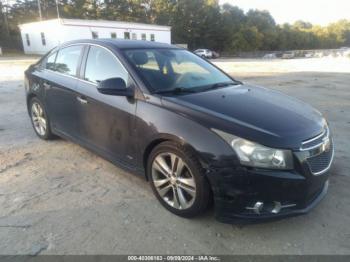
[167, 138]
[30, 97]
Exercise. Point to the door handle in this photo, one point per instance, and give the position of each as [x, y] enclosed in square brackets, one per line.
[82, 100]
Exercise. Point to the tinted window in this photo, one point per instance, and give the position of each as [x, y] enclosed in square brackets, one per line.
[67, 60]
[152, 37]
[174, 68]
[102, 64]
[50, 62]
[126, 35]
[113, 35]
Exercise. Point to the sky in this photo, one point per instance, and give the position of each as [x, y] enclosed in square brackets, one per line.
[319, 12]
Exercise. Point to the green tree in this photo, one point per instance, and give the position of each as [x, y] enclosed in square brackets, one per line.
[266, 26]
[195, 21]
[248, 38]
[233, 18]
[199, 23]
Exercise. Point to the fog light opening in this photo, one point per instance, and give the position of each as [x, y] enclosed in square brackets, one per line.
[276, 207]
[257, 208]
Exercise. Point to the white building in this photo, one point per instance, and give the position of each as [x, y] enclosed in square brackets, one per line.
[40, 37]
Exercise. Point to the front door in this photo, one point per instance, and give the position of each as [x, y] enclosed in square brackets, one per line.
[107, 121]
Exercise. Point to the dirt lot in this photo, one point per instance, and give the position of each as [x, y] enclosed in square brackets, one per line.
[58, 198]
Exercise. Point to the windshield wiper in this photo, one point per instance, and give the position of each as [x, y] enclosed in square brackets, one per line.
[182, 90]
[176, 90]
[221, 84]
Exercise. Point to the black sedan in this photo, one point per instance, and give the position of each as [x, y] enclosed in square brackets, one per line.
[196, 134]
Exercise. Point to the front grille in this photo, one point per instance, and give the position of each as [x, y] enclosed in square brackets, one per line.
[315, 141]
[321, 162]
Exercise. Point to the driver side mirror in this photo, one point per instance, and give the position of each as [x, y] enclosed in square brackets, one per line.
[116, 87]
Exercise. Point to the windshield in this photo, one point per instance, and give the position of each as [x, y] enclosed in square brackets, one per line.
[170, 69]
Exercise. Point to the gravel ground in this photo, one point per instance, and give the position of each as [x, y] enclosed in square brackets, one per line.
[58, 198]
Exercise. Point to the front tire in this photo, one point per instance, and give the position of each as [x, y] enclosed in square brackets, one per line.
[177, 180]
[40, 119]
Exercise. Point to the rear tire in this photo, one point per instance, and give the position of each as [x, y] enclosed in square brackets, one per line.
[177, 180]
[40, 120]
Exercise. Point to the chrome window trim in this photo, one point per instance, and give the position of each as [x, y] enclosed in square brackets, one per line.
[56, 50]
[115, 57]
[74, 77]
[61, 74]
[81, 79]
[88, 82]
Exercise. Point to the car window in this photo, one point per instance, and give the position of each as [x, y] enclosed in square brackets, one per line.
[50, 62]
[102, 64]
[67, 60]
[163, 69]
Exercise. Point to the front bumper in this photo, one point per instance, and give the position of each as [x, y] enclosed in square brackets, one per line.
[237, 190]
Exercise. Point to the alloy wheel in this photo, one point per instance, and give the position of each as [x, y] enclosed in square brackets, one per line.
[173, 180]
[39, 119]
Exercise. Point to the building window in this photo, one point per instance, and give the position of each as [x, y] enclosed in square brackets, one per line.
[94, 35]
[27, 39]
[43, 40]
[134, 36]
[114, 35]
[126, 35]
[143, 36]
[152, 37]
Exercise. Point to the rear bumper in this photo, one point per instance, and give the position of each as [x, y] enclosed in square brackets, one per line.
[283, 194]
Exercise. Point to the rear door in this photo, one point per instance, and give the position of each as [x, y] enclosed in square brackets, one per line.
[60, 83]
[107, 121]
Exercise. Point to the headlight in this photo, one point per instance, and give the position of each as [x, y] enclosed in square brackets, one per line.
[256, 155]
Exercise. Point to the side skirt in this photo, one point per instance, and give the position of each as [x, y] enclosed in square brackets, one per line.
[105, 155]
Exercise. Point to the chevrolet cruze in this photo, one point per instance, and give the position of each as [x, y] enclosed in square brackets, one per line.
[196, 134]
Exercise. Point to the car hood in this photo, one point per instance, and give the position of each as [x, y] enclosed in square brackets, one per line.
[255, 113]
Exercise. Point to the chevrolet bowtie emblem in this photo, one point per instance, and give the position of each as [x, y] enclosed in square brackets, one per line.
[326, 144]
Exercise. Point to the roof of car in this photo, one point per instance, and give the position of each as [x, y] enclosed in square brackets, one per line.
[123, 44]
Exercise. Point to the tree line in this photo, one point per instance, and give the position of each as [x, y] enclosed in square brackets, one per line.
[198, 23]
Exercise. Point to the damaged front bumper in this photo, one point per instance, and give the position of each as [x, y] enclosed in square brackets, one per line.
[244, 195]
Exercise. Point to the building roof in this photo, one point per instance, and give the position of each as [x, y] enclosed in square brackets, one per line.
[98, 23]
